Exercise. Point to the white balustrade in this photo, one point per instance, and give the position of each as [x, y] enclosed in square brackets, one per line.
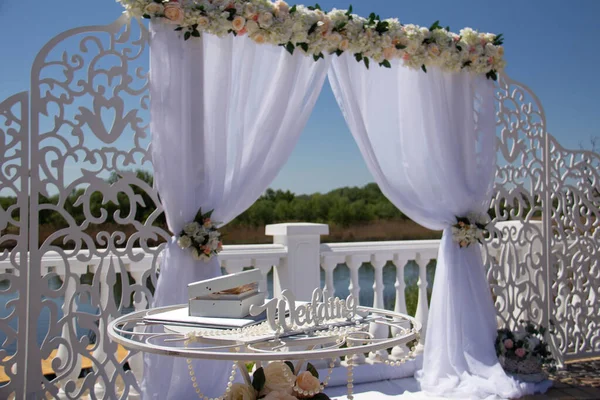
[400, 351]
[422, 305]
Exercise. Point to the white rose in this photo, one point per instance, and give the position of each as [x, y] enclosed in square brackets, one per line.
[239, 391]
[265, 19]
[184, 242]
[154, 8]
[249, 10]
[203, 22]
[252, 26]
[196, 254]
[258, 37]
[191, 228]
[276, 379]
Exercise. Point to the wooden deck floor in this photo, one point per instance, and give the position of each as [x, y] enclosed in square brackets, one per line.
[47, 363]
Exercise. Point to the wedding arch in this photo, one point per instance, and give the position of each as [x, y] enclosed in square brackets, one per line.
[420, 62]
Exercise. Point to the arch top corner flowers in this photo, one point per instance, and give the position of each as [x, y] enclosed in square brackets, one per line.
[314, 32]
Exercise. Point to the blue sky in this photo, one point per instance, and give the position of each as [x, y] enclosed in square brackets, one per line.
[551, 46]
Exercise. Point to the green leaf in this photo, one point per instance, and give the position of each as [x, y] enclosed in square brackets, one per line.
[258, 379]
[339, 52]
[195, 33]
[358, 56]
[179, 28]
[317, 56]
[340, 26]
[293, 9]
[311, 368]
[318, 7]
[200, 7]
[435, 25]
[385, 63]
[320, 396]
[303, 46]
[372, 17]
[146, 16]
[459, 48]
[400, 46]
[312, 28]
[382, 27]
[187, 35]
[492, 75]
[424, 68]
[447, 29]
[158, 1]
[289, 364]
[467, 63]
[498, 40]
[349, 12]
[290, 47]
[366, 61]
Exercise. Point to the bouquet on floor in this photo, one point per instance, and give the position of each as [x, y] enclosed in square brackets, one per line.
[523, 353]
[278, 381]
[201, 237]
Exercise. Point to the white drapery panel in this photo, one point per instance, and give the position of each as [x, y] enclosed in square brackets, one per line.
[429, 141]
[226, 114]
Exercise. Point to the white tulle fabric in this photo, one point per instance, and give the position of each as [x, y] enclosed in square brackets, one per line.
[429, 141]
[226, 114]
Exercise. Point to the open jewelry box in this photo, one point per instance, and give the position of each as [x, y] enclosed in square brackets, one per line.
[228, 296]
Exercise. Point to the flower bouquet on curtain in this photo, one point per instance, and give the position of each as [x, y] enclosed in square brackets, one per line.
[470, 229]
[524, 353]
[201, 237]
[278, 381]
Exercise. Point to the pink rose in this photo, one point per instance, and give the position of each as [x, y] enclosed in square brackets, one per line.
[389, 53]
[520, 352]
[406, 56]
[508, 343]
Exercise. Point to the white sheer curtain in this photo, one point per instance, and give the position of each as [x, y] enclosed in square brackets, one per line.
[226, 114]
[429, 141]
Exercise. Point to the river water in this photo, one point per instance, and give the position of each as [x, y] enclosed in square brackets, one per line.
[341, 282]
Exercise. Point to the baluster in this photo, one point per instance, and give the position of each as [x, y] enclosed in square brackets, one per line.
[329, 264]
[379, 331]
[63, 351]
[265, 265]
[106, 284]
[354, 263]
[422, 307]
[140, 302]
[400, 306]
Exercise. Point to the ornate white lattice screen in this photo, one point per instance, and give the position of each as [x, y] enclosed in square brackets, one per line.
[87, 131]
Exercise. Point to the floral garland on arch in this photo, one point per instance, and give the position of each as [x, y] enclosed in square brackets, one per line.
[316, 32]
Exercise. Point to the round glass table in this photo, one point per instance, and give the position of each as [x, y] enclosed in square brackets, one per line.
[374, 331]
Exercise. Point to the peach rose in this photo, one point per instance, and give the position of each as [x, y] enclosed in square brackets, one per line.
[238, 23]
[500, 51]
[281, 8]
[173, 12]
[251, 26]
[389, 53]
[307, 382]
[239, 391]
[249, 10]
[258, 37]
[433, 49]
[154, 8]
[344, 45]
[406, 56]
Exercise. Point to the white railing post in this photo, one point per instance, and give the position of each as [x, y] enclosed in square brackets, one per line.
[69, 306]
[422, 306]
[300, 271]
[379, 331]
[329, 264]
[354, 262]
[400, 306]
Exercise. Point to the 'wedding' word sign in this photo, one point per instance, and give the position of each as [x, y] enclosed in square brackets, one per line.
[320, 309]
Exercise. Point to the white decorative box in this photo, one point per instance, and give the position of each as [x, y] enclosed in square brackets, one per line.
[228, 296]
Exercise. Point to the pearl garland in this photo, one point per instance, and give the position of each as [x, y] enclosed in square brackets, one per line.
[196, 387]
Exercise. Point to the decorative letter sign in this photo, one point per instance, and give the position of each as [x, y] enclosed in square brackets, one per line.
[313, 313]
